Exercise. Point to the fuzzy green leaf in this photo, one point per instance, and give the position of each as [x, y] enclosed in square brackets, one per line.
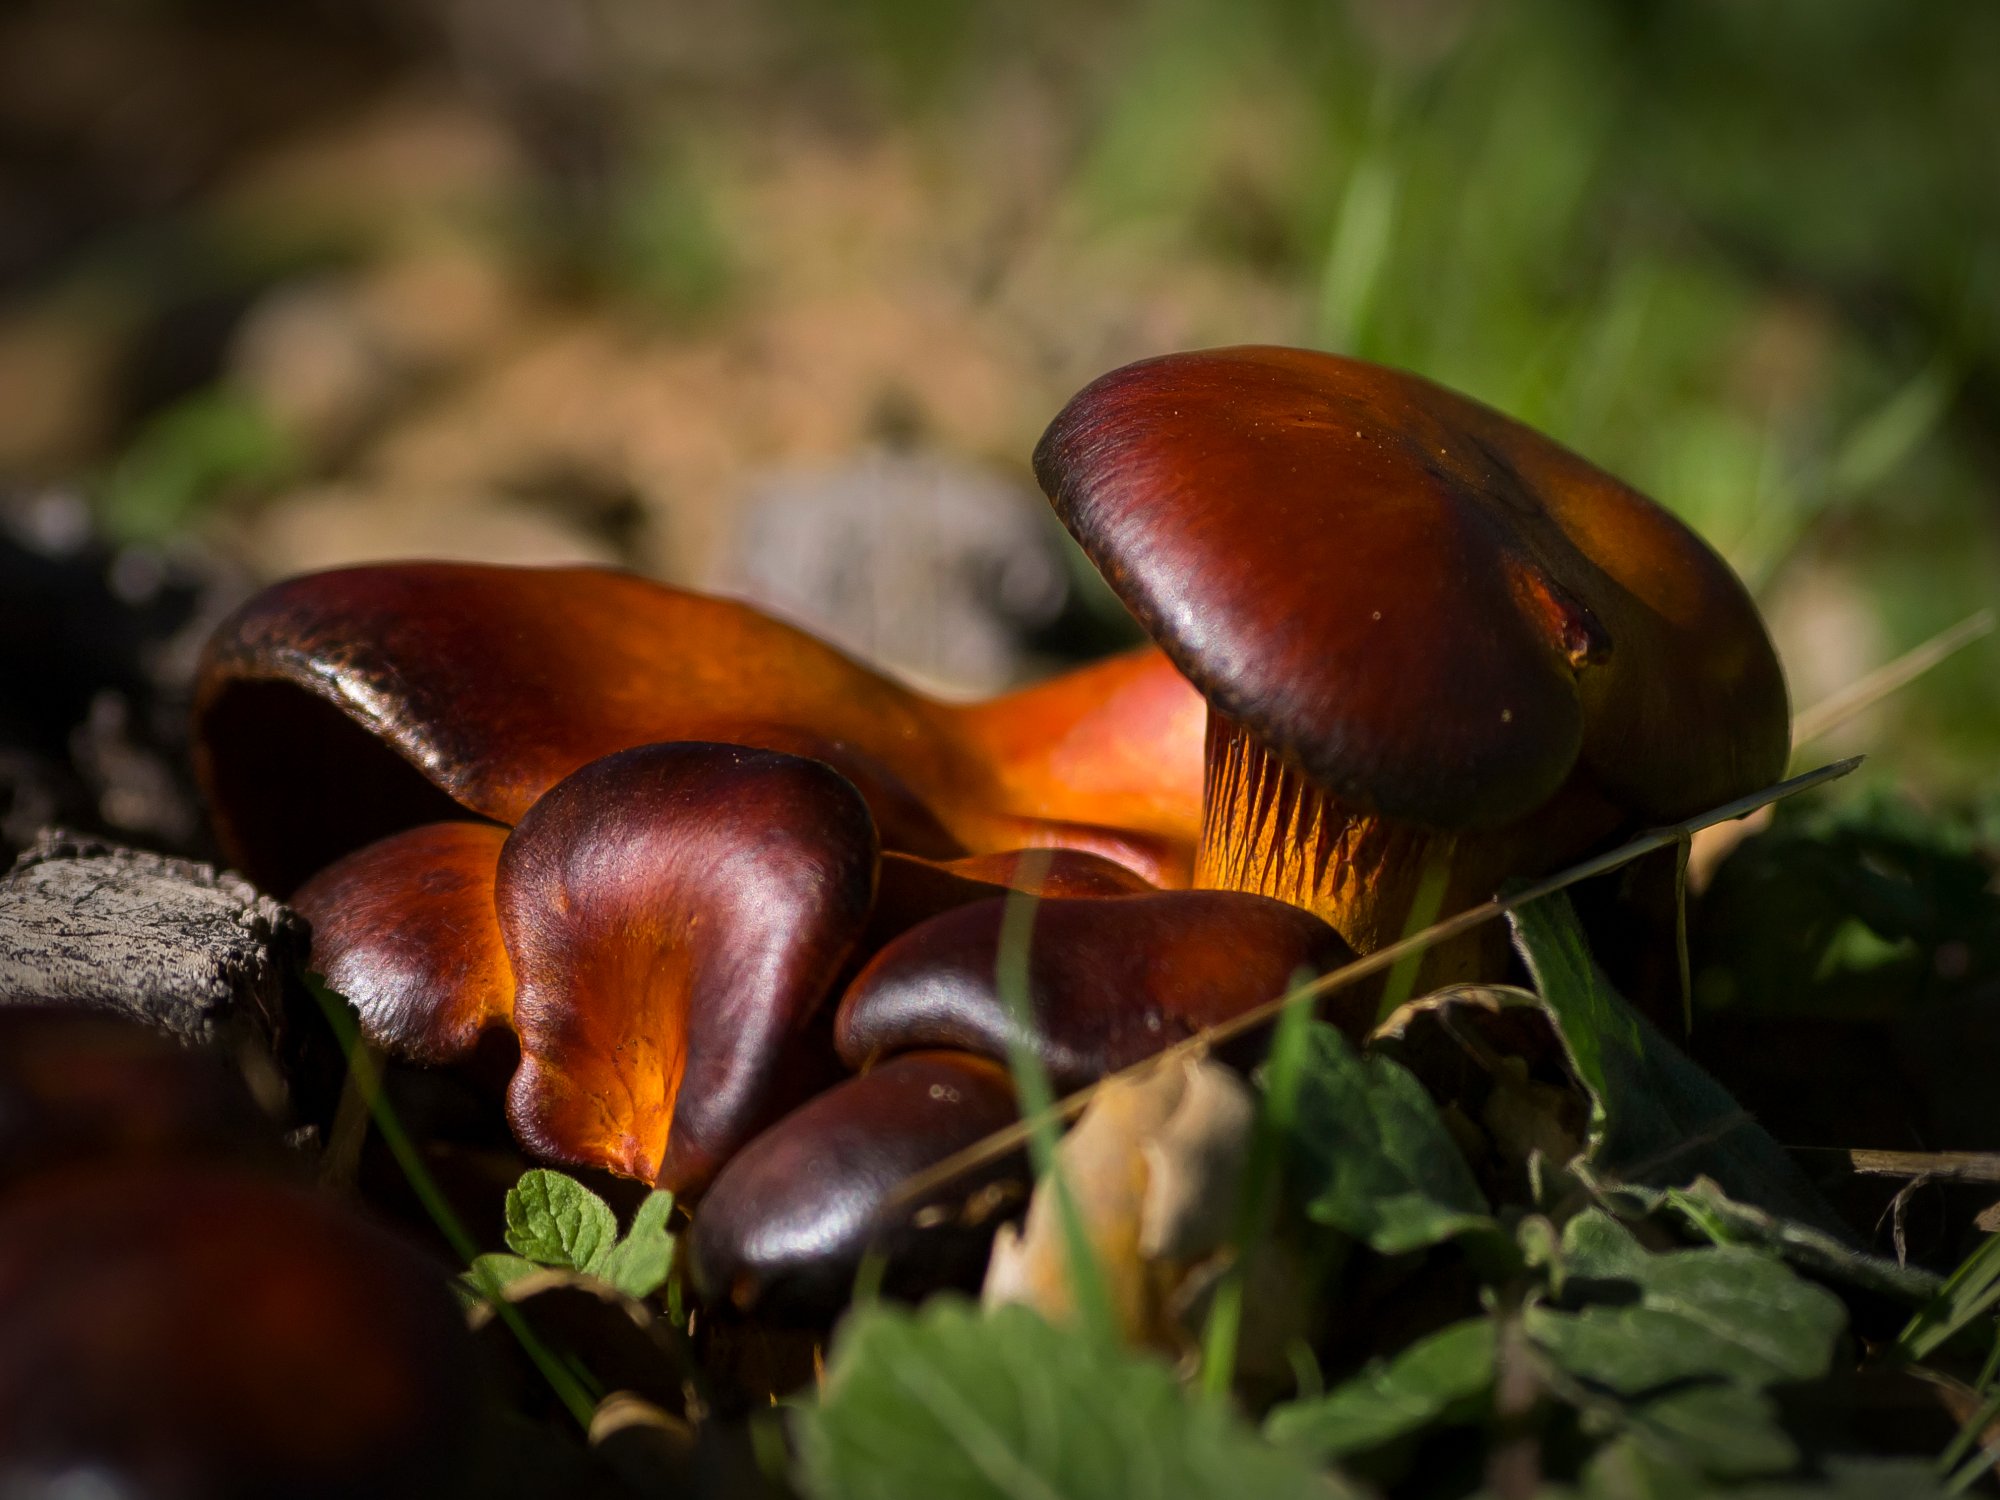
[1443, 1378]
[639, 1264]
[1732, 1434]
[1715, 1214]
[943, 1400]
[1725, 1313]
[1656, 1117]
[1372, 1157]
[556, 1221]
[1626, 1469]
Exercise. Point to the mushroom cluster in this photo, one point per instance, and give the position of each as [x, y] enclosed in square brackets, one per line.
[739, 898]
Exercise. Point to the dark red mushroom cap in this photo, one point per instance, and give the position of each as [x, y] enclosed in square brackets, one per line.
[194, 1331]
[786, 1225]
[675, 914]
[1435, 611]
[1111, 979]
[405, 929]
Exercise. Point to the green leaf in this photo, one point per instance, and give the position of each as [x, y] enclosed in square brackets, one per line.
[1625, 1469]
[942, 1400]
[1722, 1313]
[1656, 1117]
[1443, 1378]
[1732, 1434]
[1685, 1343]
[186, 457]
[1714, 1213]
[557, 1221]
[1967, 1296]
[492, 1272]
[1854, 1479]
[638, 1265]
[1372, 1156]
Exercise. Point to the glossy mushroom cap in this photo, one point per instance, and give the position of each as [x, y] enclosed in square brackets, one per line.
[1398, 599]
[1111, 979]
[674, 915]
[405, 930]
[187, 1331]
[1435, 611]
[659, 932]
[785, 1227]
[337, 708]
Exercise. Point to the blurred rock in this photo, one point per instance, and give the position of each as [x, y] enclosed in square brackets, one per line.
[934, 568]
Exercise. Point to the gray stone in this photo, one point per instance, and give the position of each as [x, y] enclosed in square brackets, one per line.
[199, 954]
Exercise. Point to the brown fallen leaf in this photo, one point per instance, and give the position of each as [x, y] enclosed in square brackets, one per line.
[1155, 1168]
[1490, 1057]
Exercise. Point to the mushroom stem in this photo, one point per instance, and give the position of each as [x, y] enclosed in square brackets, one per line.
[1268, 828]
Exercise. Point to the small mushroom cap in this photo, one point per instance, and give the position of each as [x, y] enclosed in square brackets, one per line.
[675, 915]
[787, 1223]
[405, 929]
[1435, 611]
[1111, 980]
[203, 1332]
[340, 707]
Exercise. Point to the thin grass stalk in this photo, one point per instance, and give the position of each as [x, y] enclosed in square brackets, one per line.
[1037, 1098]
[363, 1076]
[914, 1188]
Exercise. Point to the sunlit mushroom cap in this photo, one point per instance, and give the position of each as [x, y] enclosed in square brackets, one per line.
[405, 930]
[337, 708]
[1435, 611]
[674, 916]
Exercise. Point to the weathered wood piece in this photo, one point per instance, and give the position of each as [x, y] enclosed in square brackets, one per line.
[197, 953]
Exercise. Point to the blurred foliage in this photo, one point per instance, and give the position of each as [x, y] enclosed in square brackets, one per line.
[1745, 253]
[205, 448]
[1872, 908]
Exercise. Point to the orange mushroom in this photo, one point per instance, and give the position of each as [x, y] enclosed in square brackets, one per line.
[1424, 637]
[1427, 634]
[348, 722]
[338, 708]
[406, 930]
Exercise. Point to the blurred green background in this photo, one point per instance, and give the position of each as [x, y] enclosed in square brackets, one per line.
[533, 280]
